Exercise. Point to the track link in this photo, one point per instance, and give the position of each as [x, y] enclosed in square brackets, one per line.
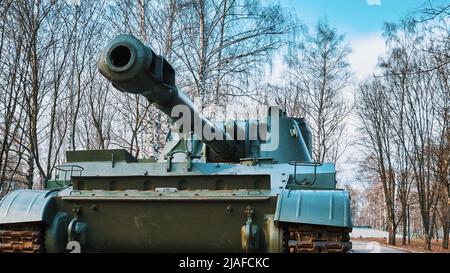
[299, 238]
[22, 238]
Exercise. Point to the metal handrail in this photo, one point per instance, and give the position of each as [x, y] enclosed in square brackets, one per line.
[315, 164]
[66, 169]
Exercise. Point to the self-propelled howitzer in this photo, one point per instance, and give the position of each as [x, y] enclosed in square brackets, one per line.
[253, 187]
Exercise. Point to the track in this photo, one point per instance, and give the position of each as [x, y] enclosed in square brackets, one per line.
[316, 239]
[23, 238]
[29, 238]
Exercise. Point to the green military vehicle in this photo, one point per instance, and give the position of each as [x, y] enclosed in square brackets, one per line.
[243, 190]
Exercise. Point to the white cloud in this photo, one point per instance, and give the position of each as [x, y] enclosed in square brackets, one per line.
[366, 51]
[374, 2]
[363, 60]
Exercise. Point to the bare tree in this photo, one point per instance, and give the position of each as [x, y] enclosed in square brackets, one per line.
[376, 125]
[224, 45]
[11, 80]
[403, 114]
[317, 76]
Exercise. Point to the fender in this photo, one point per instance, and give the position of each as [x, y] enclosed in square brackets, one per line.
[315, 207]
[24, 206]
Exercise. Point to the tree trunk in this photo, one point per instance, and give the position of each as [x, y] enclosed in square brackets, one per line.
[428, 235]
[445, 237]
[428, 242]
[436, 232]
[392, 230]
[409, 225]
[405, 228]
[446, 230]
[202, 56]
[30, 171]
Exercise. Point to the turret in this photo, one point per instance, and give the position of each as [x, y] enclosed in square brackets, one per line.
[135, 68]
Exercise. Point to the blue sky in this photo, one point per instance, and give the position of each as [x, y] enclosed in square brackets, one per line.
[354, 17]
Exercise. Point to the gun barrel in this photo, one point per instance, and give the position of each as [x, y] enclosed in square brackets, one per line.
[134, 68]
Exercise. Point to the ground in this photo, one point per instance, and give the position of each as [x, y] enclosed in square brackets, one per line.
[417, 245]
[367, 240]
[372, 247]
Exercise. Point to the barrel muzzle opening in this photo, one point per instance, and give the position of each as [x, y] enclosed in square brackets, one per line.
[121, 57]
